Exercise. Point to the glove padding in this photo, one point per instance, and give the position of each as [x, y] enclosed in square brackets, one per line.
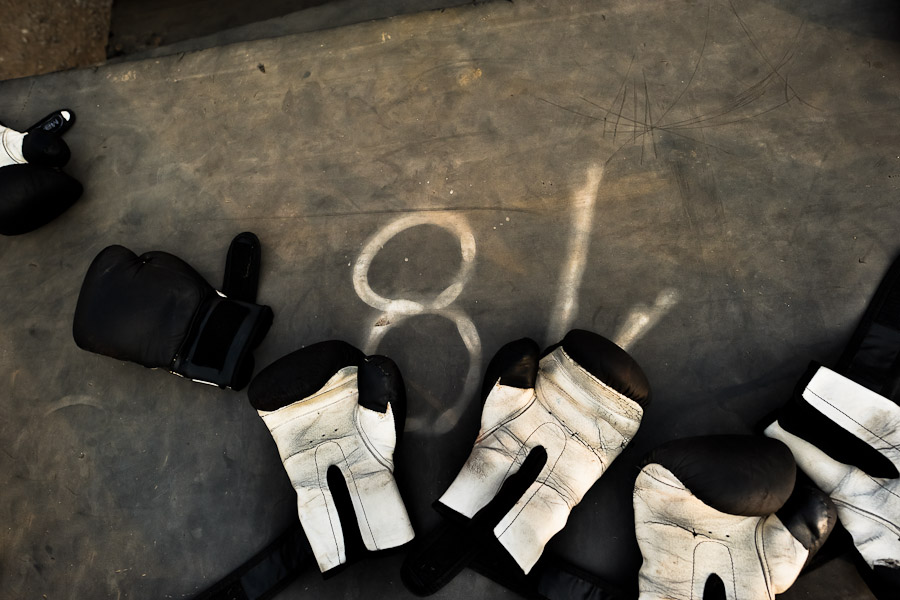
[157, 311]
[40, 144]
[33, 191]
[582, 402]
[847, 439]
[328, 407]
[719, 518]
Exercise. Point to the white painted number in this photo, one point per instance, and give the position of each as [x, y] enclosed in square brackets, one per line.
[395, 310]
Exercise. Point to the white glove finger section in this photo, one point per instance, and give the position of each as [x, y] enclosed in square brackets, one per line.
[829, 472]
[497, 454]
[329, 407]
[785, 556]
[582, 407]
[706, 522]
[866, 492]
[377, 505]
[315, 505]
[380, 513]
[542, 511]
[867, 415]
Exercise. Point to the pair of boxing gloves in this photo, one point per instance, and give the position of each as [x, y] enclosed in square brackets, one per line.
[715, 517]
[33, 188]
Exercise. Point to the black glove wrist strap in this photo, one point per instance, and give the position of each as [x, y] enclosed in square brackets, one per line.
[268, 572]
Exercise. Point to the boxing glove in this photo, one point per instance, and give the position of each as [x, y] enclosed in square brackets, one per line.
[242, 267]
[847, 439]
[719, 518]
[40, 144]
[581, 403]
[843, 426]
[335, 413]
[157, 311]
[32, 189]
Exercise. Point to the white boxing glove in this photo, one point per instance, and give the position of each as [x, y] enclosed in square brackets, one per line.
[329, 407]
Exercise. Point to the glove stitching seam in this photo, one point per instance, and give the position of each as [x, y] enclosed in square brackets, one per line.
[616, 394]
[507, 420]
[868, 514]
[574, 433]
[337, 543]
[368, 443]
[861, 426]
[665, 483]
[763, 557]
[539, 483]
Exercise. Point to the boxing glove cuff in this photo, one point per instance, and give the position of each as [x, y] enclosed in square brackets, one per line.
[219, 349]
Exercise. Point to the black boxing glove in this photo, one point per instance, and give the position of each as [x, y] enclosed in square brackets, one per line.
[719, 517]
[157, 311]
[33, 191]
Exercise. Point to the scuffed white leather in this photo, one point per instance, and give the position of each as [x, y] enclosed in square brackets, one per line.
[582, 423]
[868, 507]
[683, 541]
[11, 147]
[331, 428]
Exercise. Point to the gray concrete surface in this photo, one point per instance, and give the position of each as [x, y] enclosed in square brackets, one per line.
[192, 35]
[711, 184]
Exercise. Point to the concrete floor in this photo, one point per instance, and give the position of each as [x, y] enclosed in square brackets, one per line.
[712, 185]
[45, 36]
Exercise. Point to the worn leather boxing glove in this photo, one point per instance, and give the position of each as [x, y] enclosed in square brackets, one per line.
[719, 518]
[581, 402]
[33, 191]
[157, 311]
[336, 413]
[847, 439]
[843, 426]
